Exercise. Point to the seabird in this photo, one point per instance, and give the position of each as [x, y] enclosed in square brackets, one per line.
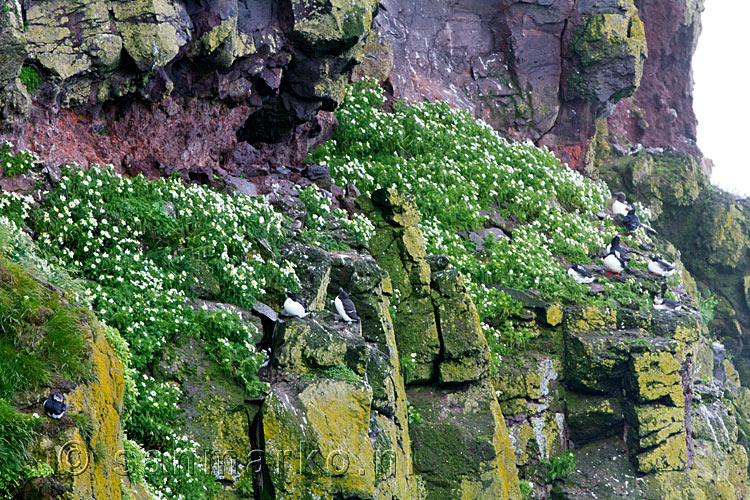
[578, 273]
[345, 307]
[663, 304]
[55, 405]
[631, 221]
[660, 267]
[619, 206]
[294, 306]
[614, 263]
[614, 246]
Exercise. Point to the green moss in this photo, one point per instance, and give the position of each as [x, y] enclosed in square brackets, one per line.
[39, 334]
[30, 77]
[341, 372]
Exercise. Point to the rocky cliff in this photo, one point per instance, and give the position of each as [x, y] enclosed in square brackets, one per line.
[479, 369]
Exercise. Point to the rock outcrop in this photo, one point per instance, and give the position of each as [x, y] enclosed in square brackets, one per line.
[172, 85]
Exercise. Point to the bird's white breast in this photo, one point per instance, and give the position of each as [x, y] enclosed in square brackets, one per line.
[612, 264]
[579, 277]
[293, 308]
[340, 309]
[619, 208]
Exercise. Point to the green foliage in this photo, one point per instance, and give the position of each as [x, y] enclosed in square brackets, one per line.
[137, 242]
[707, 305]
[84, 424]
[16, 432]
[244, 487]
[179, 472]
[415, 418]
[230, 345]
[14, 164]
[560, 467]
[527, 488]
[343, 373]
[156, 412]
[39, 334]
[459, 170]
[30, 77]
[511, 337]
[322, 222]
[407, 364]
[135, 460]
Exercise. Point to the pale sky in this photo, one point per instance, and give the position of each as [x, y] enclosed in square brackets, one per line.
[721, 70]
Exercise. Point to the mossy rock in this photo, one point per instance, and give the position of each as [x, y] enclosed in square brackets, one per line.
[153, 31]
[538, 438]
[462, 449]
[316, 440]
[308, 345]
[670, 456]
[611, 50]
[591, 418]
[399, 249]
[377, 58]
[521, 388]
[716, 423]
[13, 42]
[68, 48]
[214, 407]
[466, 355]
[597, 362]
[325, 26]
[313, 267]
[653, 425]
[655, 376]
[203, 284]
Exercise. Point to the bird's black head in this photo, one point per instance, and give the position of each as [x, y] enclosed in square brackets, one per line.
[343, 294]
[656, 258]
[615, 241]
[291, 295]
[631, 211]
[620, 196]
[58, 396]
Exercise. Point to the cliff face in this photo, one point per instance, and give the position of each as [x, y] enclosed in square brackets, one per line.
[438, 393]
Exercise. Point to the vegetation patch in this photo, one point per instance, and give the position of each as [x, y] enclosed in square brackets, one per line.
[141, 251]
[30, 77]
[465, 177]
[14, 164]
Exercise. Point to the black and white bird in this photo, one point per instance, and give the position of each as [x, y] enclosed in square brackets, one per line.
[295, 306]
[663, 304]
[578, 273]
[619, 206]
[55, 405]
[631, 221]
[660, 267]
[614, 263]
[345, 307]
[614, 246]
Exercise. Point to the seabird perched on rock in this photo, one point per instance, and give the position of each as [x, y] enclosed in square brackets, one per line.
[660, 267]
[345, 307]
[55, 405]
[578, 273]
[294, 306]
[614, 263]
[631, 221]
[614, 246]
[663, 304]
[619, 206]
